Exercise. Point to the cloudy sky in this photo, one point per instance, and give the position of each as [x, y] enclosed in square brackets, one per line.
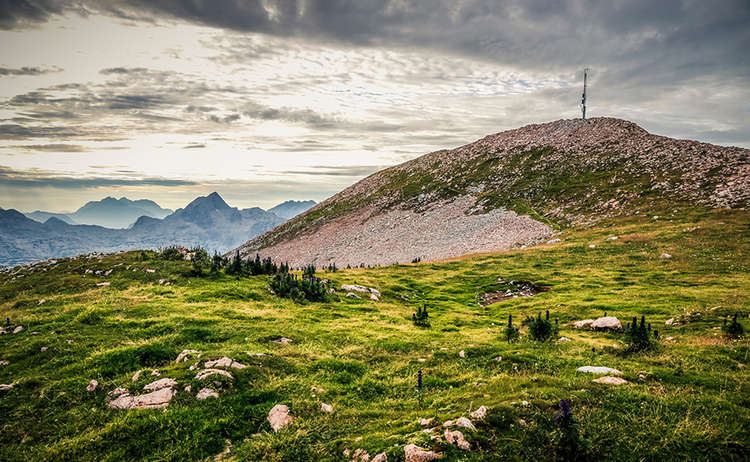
[268, 100]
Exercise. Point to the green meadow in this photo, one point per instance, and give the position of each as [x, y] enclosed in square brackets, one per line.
[688, 398]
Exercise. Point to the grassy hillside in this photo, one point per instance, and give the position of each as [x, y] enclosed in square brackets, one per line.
[688, 399]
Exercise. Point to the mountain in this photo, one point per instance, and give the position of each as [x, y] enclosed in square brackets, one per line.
[41, 217]
[117, 213]
[207, 222]
[291, 209]
[509, 189]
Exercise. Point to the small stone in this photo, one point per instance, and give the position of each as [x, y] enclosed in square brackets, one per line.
[117, 392]
[184, 354]
[360, 455]
[136, 376]
[525, 403]
[5, 387]
[150, 271]
[153, 400]
[609, 380]
[612, 238]
[447, 423]
[414, 453]
[188, 388]
[17, 329]
[326, 408]
[522, 422]
[156, 373]
[563, 339]
[382, 457]
[282, 340]
[206, 393]
[665, 256]
[591, 246]
[479, 413]
[669, 322]
[103, 284]
[498, 358]
[461, 354]
[426, 422]
[92, 385]
[279, 417]
[4, 363]
[465, 423]
[43, 349]
[159, 384]
[598, 370]
[352, 295]
[553, 241]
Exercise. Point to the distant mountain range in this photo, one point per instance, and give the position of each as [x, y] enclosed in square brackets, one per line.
[207, 221]
[108, 212]
[291, 209]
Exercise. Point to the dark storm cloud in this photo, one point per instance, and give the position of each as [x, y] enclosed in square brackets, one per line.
[35, 178]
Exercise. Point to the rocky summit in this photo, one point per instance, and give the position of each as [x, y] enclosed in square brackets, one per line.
[506, 190]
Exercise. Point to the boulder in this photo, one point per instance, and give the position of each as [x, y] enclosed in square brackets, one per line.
[208, 372]
[479, 413]
[609, 380]
[159, 384]
[583, 324]
[153, 400]
[92, 385]
[184, 354]
[457, 438]
[355, 288]
[553, 241]
[206, 393]
[279, 417]
[225, 363]
[607, 323]
[598, 370]
[414, 453]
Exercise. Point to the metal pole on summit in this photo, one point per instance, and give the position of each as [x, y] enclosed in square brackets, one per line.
[583, 98]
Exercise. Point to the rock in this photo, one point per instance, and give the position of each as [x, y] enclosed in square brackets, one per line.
[326, 408]
[665, 256]
[374, 297]
[92, 385]
[426, 422]
[156, 373]
[117, 392]
[5, 387]
[609, 380]
[463, 422]
[607, 323]
[136, 376]
[153, 400]
[669, 322]
[208, 372]
[563, 339]
[4, 363]
[591, 246]
[352, 295]
[457, 438]
[414, 453]
[461, 354]
[18, 329]
[184, 354]
[479, 413]
[282, 340]
[448, 423]
[382, 457]
[498, 358]
[150, 270]
[159, 384]
[225, 363]
[188, 388]
[194, 366]
[598, 370]
[553, 241]
[43, 349]
[360, 455]
[525, 403]
[206, 393]
[582, 324]
[612, 238]
[42, 301]
[355, 288]
[279, 417]
[102, 284]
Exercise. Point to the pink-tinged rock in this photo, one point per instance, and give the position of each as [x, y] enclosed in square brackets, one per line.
[583, 324]
[609, 380]
[465, 423]
[159, 384]
[136, 376]
[279, 417]
[382, 457]
[154, 400]
[18, 329]
[426, 422]
[461, 354]
[225, 363]
[117, 392]
[156, 373]
[92, 385]
[5, 387]
[206, 393]
[479, 413]
[207, 372]
[184, 355]
[598, 370]
[326, 408]
[607, 323]
[414, 453]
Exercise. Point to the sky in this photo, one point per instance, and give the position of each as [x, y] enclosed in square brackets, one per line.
[269, 100]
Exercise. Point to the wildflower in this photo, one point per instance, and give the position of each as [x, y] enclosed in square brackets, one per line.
[564, 413]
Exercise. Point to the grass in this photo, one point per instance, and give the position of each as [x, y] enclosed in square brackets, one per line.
[688, 399]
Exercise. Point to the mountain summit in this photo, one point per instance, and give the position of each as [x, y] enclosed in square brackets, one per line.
[509, 189]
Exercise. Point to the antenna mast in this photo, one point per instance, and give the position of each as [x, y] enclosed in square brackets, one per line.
[583, 98]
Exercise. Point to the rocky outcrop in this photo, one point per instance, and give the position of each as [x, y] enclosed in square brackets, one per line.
[414, 453]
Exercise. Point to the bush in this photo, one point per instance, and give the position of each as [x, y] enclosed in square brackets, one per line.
[567, 435]
[171, 253]
[540, 329]
[511, 332]
[421, 318]
[309, 271]
[734, 328]
[332, 268]
[310, 289]
[639, 337]
[200, 259]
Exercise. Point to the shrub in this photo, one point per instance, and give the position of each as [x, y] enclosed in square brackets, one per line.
[310, 289]
[200, 259]
[639, 336]
[171, 253]
[540, 329]
[308, 271]
[734, 328]
[511, 332]
[567, 435]
[421, 318]
[332, 268]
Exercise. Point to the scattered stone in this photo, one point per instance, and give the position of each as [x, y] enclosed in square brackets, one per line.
[282, 340]
[279, 417]
[598, 370]
[447, 423]
[5, 387]
[18, 329]
[208, 372]
[498, 358]
[582, 324]
[159, 384]
[43, 349]
[136, 376]
[563, 339]
[92, 385]
[352, 295]
[669, 339]
[525, 403]
[457, 438]
[414, 453]
[382, 457]
[184, 354]
[522, 422]
[156, 373]
[206, 393]
[591, 246]
[153, 400]
[426, 422]
[150, 270]
[4, 363]
[102, 284]
[188, 388]
[669, 322]
[326, 408]
[225, 363]
[42, 301]
[360, 455]
[479, 413]
[612, 238]
[607, 323]
[609, 380]
[194, 366]
[374, 297]
[117, 392]
[665, 256]
[461, 354]
[463, 422]
[553, 241]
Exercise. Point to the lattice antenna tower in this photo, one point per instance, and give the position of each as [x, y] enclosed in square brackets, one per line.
[583, 98]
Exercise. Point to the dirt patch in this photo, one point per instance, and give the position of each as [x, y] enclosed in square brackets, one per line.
[505, 290]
